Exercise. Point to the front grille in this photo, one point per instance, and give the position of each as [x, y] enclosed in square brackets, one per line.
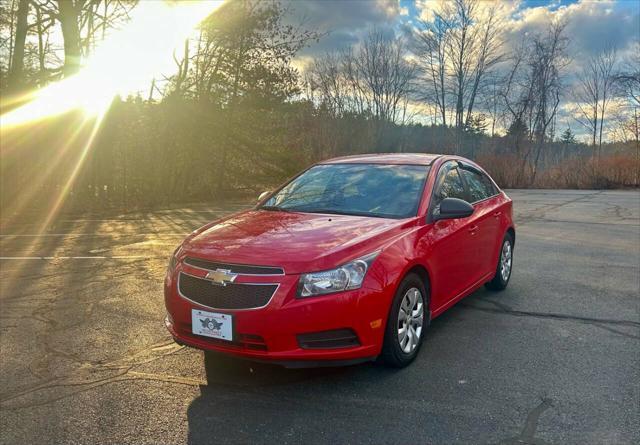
[235, 268]
[338, 338]
[231, 296]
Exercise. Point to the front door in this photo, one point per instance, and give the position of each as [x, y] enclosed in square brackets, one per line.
[452, 256]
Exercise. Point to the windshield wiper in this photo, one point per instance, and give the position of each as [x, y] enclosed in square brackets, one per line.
[274, 208]
[336, 212]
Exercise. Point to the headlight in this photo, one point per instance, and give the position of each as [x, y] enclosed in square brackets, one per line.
[346, 277]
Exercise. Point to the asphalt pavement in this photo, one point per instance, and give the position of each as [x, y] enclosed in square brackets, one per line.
[554, 359]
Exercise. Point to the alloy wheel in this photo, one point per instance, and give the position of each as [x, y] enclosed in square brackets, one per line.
[505, 260]
[410, 320]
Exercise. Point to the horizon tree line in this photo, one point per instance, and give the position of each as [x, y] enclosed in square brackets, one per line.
[236, 114]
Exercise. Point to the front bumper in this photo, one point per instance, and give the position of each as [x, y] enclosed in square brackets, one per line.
[271, 333]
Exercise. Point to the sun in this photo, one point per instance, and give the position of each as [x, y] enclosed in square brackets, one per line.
[125, 63]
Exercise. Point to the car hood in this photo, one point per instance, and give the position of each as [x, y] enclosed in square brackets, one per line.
[298, 242]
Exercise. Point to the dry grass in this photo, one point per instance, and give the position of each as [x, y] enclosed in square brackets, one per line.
[607, 172]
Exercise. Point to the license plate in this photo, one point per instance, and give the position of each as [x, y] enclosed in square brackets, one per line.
[212, 324]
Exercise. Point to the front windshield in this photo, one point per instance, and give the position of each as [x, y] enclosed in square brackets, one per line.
[386, 191]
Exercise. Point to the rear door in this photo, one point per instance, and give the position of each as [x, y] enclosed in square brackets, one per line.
[486, 215]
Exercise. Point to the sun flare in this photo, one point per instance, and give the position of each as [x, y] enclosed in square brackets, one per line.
[125, 63]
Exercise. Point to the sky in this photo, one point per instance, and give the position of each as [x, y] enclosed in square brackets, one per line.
[591, 26]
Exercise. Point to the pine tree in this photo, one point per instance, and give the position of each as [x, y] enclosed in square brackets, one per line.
[568, 137]
[518, 128]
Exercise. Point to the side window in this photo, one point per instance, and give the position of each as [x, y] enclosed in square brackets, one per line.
[449, 184]
[478, 189]
[491, 188]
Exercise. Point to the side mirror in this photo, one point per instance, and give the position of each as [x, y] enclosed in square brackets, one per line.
[263, 195]
[453, 208]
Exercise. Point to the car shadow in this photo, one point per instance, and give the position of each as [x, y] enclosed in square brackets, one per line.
[248, 402]
[231, 371]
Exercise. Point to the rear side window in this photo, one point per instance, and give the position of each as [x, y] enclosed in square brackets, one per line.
[449, 184]
[490, 186]
[477, 187]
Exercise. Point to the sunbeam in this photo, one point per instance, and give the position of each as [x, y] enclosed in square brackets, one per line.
[125, 63]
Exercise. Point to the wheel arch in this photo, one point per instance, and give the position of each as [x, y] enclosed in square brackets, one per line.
[512, 232]
[423, 273]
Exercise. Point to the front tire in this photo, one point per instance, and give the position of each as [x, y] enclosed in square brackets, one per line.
[407, 322]
[505, 265]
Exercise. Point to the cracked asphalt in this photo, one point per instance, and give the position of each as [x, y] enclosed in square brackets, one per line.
[555, 359]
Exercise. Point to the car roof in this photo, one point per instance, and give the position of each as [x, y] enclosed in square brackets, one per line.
[386, 158]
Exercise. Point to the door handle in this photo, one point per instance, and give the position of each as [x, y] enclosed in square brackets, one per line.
[473, 229]
[497, 214]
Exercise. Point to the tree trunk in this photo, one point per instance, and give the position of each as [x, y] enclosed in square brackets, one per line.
[68, 17]
[636, 134]
[443, 103]
[41, 49]
[602, 111]
[17, 61]
[595, 128]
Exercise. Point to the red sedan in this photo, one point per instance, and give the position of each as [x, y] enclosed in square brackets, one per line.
[348, 261]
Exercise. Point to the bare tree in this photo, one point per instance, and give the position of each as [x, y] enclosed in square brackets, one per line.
[595, 91]
[588, 99]
[7, 31]
[387, 75]
[606, 65]
[628, 87]
[460, 47]
[487, 53]
[532, 92]
[628, 78]
[358, 99]
[492, 101]
[375, 78]
[456, 50]
[17, 59]
[69, 16]
[327, 78]
[82, 22]
[430, 47]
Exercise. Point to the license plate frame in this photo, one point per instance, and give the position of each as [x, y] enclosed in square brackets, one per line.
[212, 324]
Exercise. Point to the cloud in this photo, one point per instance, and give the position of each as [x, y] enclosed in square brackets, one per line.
[426, 9]
[591, 26]
[345, 21]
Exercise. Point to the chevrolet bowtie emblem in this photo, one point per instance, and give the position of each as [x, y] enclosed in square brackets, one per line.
[221, 277]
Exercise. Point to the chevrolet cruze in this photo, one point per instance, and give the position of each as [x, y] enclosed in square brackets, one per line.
[347, 262]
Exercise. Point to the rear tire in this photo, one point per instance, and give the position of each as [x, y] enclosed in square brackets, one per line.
[407, 322]
[505, 265]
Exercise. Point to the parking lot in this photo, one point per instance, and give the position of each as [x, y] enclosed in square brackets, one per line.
[555, 359]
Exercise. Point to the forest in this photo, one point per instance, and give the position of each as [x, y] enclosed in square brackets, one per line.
[238, 115]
